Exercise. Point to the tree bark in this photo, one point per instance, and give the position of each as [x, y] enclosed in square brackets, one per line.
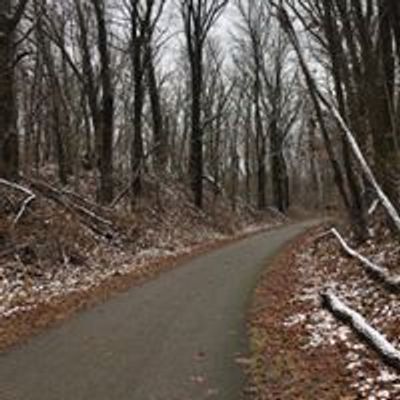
[196, 137]
[9, 141]
[159, 135]
[106, 192]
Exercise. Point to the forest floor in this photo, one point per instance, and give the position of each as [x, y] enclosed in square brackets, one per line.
[60, 252]
[299, 349]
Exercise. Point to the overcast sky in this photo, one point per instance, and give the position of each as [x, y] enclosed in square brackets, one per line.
[222, 29]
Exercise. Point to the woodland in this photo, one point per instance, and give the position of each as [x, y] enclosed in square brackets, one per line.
[127, 92]
[134, 129]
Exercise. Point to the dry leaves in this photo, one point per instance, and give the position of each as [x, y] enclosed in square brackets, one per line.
[299, 349]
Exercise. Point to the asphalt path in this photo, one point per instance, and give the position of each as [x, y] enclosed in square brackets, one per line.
[179, 337]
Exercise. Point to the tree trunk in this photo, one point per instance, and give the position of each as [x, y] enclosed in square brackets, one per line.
[387, 159]
[160, 142]
[106, 192]
[138, 56]
[261, 154]
[56, 94]
[196, 138]
[137, 144]
[261, 175]
[280, 179]
[9, 142]
[313, 90]
[247, 149]
[315, 168]
[357, 208]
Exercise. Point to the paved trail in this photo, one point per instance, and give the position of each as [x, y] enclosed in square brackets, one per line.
[175, 338]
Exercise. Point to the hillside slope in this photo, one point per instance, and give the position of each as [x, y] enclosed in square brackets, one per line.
[60, 251]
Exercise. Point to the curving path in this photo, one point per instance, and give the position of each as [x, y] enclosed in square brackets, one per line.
[175, 338]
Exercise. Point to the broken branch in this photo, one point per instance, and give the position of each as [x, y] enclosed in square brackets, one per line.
[375, 271]
[30, 197]
[374, 339]
[25, 204]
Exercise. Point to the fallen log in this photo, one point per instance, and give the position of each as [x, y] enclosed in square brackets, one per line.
[372, 337]
[378, 273]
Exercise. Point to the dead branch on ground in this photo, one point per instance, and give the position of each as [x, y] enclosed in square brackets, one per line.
[374, 339]
[29, 199]
[378, 273]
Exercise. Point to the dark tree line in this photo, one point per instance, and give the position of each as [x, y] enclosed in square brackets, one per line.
[153, 90]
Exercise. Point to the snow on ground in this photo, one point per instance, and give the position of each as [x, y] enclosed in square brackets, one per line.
[23, 287]
[323, 266]
[52, 252]
[23, 291]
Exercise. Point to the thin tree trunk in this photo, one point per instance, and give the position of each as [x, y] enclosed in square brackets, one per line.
[9, 146]
[196, 138]
[160, 142]
[106, 193]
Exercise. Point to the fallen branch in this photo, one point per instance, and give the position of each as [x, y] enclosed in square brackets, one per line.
[26, 202]
[387, 204]
[121, 195]
[127, 189]
[373, 207]
[83, 201]
[375, 271]
[58, 196]
[17, 187]
[95, 222]
[374, 339]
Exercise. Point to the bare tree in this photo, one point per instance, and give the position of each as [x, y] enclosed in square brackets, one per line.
[59, 110]
[198, 18]
[252, 42]
[143, 17]
[106, 192]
